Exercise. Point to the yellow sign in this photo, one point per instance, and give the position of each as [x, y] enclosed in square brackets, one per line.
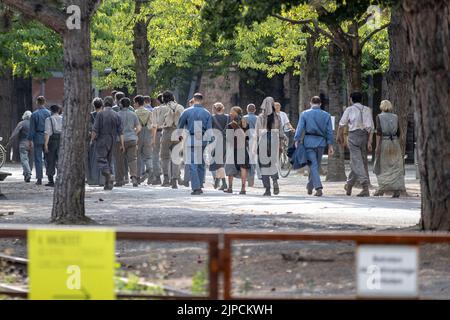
[71, 264]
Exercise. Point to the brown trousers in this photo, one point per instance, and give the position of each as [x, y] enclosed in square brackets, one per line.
[130, 154]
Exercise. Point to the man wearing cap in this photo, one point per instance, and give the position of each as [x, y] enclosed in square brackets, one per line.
[21, 132]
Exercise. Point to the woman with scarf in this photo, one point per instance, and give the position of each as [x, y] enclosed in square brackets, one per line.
[269, 139]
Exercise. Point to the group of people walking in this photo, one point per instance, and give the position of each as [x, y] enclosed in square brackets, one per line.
[39, 135]
[142, 139]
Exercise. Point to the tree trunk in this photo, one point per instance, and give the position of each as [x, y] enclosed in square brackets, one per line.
[141, 52]
[6, 110]
[354, 72]
[6, 85]
[310, 76]
[22, 100]
[399, 77]
[428, 24]
[68, 201]
[336, 163]
[294, 81]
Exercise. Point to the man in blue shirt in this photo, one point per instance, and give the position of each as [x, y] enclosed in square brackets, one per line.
[148, 103]
[251, 117]
[197, 121]
[317, 128]
[36, 135]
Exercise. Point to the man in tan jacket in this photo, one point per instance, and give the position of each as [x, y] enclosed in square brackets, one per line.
[168, 116]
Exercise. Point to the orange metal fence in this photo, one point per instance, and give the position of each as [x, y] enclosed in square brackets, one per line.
[220, 249]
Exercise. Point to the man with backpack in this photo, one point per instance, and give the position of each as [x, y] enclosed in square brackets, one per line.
[168, 116]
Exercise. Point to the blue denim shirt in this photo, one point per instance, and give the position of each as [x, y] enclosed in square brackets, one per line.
[37, 125]
[317, 126]
[251, 119]
[197, 120]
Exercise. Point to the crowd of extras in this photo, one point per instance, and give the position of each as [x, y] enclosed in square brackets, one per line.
[139, 141]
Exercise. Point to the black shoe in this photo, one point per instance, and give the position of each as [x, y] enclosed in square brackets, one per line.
[50, 184]
[378, 193]
[174, 184]
[156, 181]
[166, 182]
[396, 194]
[216, 183]
[348, 188]
[223, 187]
[135, 182]
[109, 181]
[310, 191]
[144, 177]
[319, 193]
[27, 179]
[276, 188]
[39, 182]
[197, 192]
[118, 184]
[267, 193]
[243, 192]
[228, 190]
[364, 193]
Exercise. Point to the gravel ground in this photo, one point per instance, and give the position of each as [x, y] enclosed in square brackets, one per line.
[291, 269]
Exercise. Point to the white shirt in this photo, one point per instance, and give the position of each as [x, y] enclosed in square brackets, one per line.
[284, 121]
[357, 117]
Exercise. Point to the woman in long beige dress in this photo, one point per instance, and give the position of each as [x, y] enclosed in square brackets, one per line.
[389, 163]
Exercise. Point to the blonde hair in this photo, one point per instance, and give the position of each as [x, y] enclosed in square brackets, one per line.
[386, 106]
[218, 107]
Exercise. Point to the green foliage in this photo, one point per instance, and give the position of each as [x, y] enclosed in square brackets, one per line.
[30, 49]
[376, 50]
[173, 34]
[132, 285]
[199, 283]
[272, 46]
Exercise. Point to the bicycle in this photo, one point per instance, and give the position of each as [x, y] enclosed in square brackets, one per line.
[2, 154]
[284, 165]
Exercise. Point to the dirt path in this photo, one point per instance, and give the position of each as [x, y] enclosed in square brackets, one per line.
[259, 268]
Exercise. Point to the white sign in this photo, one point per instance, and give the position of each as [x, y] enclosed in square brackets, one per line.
[387, 271]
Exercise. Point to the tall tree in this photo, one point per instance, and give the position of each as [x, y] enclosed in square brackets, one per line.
[71, 19]
[428, 27]
[141, 48]
[399, 76]
[310, 75]
[336, 163]
[6, 80]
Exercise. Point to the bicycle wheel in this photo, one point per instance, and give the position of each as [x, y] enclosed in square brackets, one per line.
[2, 156]
[284, 166]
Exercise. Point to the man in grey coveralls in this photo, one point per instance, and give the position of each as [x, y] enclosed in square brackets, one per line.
[107, 127]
